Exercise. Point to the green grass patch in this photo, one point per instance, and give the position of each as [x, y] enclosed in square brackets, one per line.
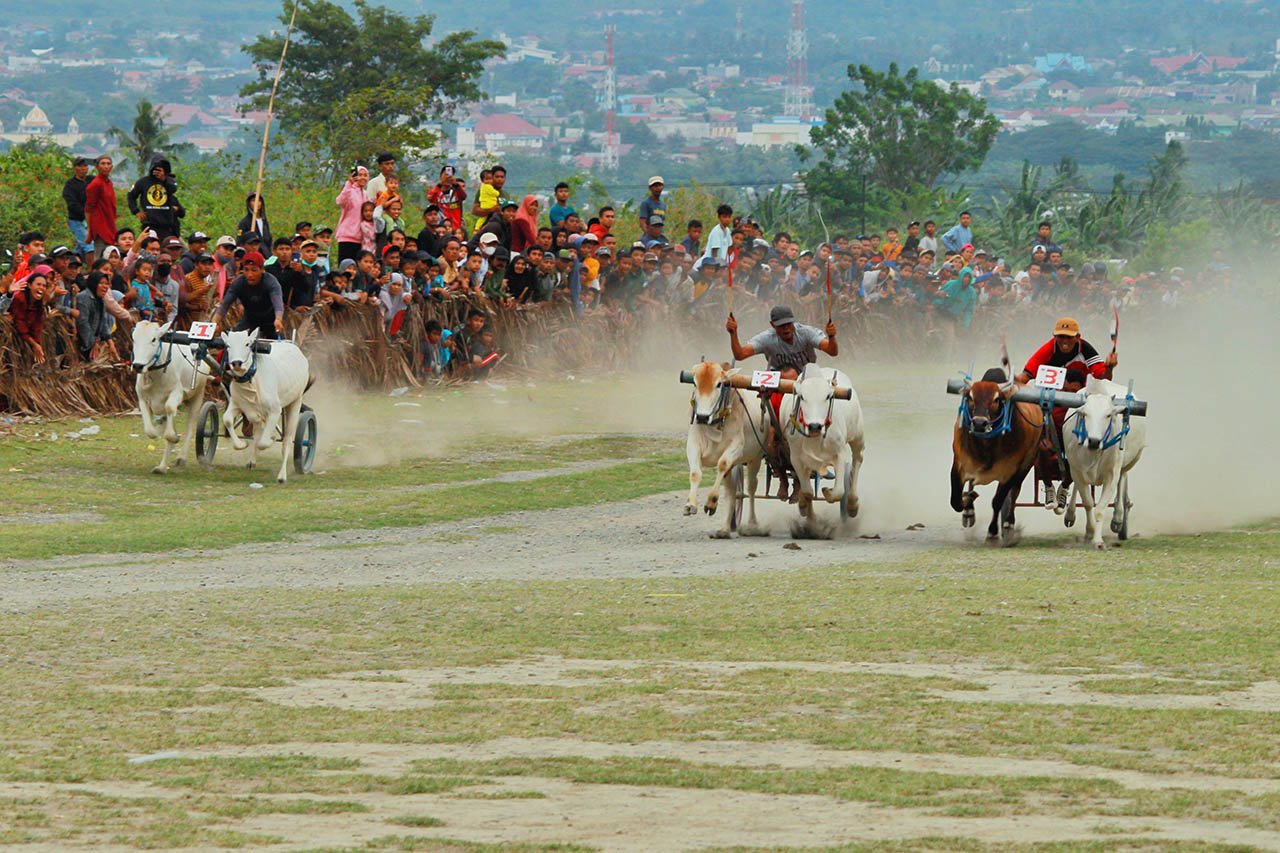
[102, 486]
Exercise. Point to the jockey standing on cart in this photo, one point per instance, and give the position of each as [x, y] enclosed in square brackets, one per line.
[1066, 349]
[788, 346]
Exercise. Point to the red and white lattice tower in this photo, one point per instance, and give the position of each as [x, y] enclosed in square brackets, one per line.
[796, 98]
[610, 160]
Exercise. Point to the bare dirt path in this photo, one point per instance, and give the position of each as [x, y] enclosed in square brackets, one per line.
[647, 537]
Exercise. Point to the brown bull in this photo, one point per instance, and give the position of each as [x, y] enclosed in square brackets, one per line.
[995, 441]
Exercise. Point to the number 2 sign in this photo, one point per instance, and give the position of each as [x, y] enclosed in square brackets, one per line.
[766, 378]
[1048, 376]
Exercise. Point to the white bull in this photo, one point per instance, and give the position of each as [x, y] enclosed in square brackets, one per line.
[824, 435]
[168, 379]
[1100, 453]
[724, 432]
[267, 388]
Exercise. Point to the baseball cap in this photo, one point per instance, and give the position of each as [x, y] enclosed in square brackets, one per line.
[41, 269]
[488, 238]
[966, 246]
[780, 315]
[323, 229]
[198, 237]
[306, 243]
[590, 238]
[565, 255]
[204, 257]
[252, 259]
[59, 252]
[657, 179]
[656, 219]
[501, 254]
[36, 260]
[604, 250]
[226, 240]
[172, 242]
[650, 256]
[80, 161]
[1067, 326]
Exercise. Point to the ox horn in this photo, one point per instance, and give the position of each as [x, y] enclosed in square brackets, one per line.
[1006, 365]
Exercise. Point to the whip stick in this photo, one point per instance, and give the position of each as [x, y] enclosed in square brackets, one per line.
[829, 256]
[271, 105]
[1115, 328]
[730, 291]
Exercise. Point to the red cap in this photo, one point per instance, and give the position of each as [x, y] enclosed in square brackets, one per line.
[254, 258]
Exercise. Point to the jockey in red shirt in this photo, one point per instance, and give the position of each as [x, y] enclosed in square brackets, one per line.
[1067, 349]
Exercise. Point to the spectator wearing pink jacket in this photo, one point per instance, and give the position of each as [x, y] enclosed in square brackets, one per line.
[350, 233]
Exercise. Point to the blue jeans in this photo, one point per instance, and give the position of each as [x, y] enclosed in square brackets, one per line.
[80, 231]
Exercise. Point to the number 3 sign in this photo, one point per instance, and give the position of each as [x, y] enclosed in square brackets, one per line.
[1048, 376]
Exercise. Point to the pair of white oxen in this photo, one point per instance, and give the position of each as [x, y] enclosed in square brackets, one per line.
[266, 388]
[824, 433]
[825, 436]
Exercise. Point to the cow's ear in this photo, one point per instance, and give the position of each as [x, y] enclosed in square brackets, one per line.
[726, 365]
[165, 327]
[253, 335]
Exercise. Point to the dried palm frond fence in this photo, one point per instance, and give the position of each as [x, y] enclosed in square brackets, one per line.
[347, 344]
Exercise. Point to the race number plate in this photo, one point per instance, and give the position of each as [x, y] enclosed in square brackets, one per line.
[766, 378]
[202, 331]
[1048, 376]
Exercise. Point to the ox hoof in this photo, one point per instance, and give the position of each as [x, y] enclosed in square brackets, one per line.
[1101, 546]
[1011, 536]
[178, 463]
[1068, 522]
[1116, 526]
[720, 534]
[281, 480]
[967, 518]
[829, 495]
[853, 508]
[710, 508]
[251, 465]
[160, 469]
[690, 509]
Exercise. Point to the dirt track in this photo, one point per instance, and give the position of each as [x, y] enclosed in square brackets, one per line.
[640, 538]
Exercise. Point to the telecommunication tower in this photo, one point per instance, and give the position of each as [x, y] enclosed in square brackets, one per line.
[611, 103]
[796, 98]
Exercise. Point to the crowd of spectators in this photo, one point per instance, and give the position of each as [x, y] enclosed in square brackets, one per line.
[499, 252]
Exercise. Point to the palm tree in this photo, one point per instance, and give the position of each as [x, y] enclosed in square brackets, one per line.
[148, 137]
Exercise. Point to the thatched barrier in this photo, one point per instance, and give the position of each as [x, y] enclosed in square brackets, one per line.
[348, 344]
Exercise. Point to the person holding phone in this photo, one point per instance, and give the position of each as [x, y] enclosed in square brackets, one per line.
[350, 233]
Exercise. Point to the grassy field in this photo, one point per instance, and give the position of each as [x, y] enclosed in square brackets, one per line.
[97, 494]
[946, 698]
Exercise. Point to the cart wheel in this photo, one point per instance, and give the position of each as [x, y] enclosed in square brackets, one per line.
[304, 442]
[208, 428]
[735, 483]
[1122, 509]
[848, 487]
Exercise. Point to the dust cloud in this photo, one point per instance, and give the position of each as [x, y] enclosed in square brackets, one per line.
[1208, 462]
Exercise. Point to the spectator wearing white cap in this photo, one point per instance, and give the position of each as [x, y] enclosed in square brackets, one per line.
[653, 204]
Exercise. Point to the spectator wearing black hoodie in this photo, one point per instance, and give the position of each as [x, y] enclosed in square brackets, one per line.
[154, 199]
